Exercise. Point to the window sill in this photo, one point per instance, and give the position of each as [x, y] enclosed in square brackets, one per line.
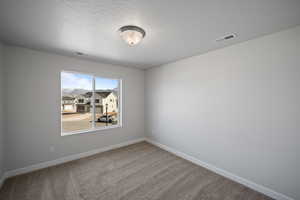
[91, 130]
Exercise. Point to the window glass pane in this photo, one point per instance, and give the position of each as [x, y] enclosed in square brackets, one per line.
[76, 108]
[107, 108]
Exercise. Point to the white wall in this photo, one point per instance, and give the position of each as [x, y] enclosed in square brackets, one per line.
[1, 113]
[236, 108]
[33, 107]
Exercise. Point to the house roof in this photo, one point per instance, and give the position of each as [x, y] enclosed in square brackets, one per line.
[103, 94]
[67, 98]
[87, 95]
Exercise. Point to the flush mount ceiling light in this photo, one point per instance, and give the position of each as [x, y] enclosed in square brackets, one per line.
[132, 35]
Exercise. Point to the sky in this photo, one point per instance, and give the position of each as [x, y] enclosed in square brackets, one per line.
[82, 81]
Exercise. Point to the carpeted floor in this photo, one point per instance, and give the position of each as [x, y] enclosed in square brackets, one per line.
[137, 172]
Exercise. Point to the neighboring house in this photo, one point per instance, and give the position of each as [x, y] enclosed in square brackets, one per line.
[82, 103]
[99, 98]
[112, 103]
[68, 104]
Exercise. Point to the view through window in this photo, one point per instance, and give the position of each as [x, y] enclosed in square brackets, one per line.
[88, 102]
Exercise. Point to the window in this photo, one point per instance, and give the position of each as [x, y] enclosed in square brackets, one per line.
[89, 103]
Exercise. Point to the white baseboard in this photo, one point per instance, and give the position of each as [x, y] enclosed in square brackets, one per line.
[35, 167]
[262, 189]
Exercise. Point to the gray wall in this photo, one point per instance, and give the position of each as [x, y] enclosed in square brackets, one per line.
[1, 112]
[33, 107]
[236, 108]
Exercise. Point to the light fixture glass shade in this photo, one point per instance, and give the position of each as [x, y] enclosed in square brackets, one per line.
[132, 35]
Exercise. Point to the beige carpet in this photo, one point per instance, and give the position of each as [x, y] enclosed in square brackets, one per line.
[137, 172]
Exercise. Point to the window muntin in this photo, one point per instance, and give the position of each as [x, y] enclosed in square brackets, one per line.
[88, 103]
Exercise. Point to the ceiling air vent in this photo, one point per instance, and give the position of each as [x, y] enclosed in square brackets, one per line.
[226, 37]
[79, 53]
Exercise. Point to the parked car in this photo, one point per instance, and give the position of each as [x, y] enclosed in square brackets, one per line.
[110, 118]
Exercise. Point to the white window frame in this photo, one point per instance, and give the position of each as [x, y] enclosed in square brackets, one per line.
[94, 129]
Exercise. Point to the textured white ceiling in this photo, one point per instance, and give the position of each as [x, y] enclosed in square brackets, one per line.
[174, 28]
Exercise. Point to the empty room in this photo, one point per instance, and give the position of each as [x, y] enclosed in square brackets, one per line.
[149, 100]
